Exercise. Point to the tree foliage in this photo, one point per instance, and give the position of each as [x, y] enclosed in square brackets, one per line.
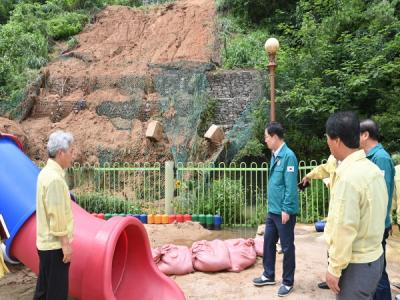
[335, 55]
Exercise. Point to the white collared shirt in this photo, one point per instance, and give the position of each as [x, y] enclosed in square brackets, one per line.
[276, 152]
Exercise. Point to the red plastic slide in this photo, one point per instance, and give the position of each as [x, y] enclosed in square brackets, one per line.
[111, 259]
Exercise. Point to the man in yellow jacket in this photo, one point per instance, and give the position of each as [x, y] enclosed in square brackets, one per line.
[324, 172]
[54, 220]
[357, 212]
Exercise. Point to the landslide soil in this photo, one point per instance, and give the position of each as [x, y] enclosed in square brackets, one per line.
[120, 41]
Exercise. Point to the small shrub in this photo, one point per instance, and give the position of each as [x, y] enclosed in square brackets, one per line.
[66, 25]
[207, 117]
[72, 43]
[222, 196]
[101, 203]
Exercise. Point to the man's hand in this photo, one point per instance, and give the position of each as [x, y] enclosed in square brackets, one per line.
[285, 217]
[333, 282]
[305, 182]
[66, 249]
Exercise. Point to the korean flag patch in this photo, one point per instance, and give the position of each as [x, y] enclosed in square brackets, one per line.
[290, 168]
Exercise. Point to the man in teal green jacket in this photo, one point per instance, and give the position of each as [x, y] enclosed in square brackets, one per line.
[369, 142]
[282, 210]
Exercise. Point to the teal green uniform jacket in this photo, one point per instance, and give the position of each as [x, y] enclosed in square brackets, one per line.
[382, 159]
[282, 183]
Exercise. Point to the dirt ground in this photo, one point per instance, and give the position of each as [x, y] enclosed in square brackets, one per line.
[310, 261]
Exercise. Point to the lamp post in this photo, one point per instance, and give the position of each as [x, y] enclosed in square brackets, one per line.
[271, 48]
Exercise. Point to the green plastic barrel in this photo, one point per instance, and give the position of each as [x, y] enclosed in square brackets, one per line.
[209, 221]
[195, 218]
[202, 219]
[107, 216]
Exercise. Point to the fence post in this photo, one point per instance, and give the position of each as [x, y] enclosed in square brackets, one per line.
[169, 186]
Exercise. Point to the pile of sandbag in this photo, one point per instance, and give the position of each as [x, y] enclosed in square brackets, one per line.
[173, 260]
[232, 255]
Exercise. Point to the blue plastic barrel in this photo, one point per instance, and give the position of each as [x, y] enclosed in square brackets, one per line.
[18, 176]
[143, 218]
[217, 222]
[137, 216]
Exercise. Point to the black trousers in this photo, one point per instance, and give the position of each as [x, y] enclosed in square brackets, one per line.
[383, 291]
[52, 283]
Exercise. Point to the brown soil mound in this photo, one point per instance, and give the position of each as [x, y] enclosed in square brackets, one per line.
[91, 133]
[120, 42]
[123, 40]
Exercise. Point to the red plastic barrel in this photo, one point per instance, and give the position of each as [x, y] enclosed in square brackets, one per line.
[171, 219]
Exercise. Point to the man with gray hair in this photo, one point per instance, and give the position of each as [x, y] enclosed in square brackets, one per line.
[54, 220]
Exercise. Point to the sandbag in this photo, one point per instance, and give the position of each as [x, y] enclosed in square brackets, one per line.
[259, 245]
[210, 256]
[175, 260]
[156, 254]
[242, 254]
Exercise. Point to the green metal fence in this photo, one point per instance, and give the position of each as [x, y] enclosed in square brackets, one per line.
[238, 192]
[139, 187]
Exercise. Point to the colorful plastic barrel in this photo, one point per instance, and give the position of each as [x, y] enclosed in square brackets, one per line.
[122, 215]
[150, 219]
[137, 216]
[202, 220]
[187, 218]
[165, 219]
[114, 215]
[217, 222]
[100, 216]
[195, 217]
[143, 218]
[94, 215]
[179, 218]
[158, 219]
[107, 216]
[171, 219]
[209, 221]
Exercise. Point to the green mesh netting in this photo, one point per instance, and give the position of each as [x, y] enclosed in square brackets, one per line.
[184, 95]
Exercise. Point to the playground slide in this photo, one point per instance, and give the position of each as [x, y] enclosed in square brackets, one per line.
[111, 259]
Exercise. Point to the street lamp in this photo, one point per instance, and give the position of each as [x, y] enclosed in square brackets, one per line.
[271, 48]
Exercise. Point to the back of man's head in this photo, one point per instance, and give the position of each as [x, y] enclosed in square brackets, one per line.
[346, 126]
[275, 128]
[371, 127]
